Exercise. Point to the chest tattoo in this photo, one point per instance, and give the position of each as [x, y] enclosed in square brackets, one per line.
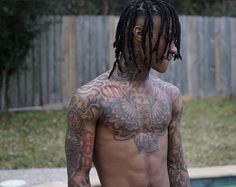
[137, 117]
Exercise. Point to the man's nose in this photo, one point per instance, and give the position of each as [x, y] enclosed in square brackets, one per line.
[173, 49]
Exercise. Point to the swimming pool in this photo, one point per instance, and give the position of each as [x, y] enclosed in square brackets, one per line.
[214, 182]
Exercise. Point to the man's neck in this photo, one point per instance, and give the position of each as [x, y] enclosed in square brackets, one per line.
[132, 72]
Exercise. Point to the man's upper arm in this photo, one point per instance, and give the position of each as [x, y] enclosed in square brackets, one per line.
[176, 165]
[80, 135]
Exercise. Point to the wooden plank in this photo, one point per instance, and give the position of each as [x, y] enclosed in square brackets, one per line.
[22, 87]
[106, 62]
[100, 45]
[39, 48]
[51, 62]
[96, 45]
[43, 67]
[33, 73]
[19, 91]
[206, 57]
[192, 58]
[79, 27]
[39, 67]
[100, 48]
[203, 56]
[36, 72]
[68, 57]
[93, 40]
[65, 57]
[209, 60]
[112, 23]
[25, 83]
[57, 53]
[72, 52]
[225, 57]
[13, 92]
[200, 43]
[29, 60]
[218, 56]
[85, 53]
[182, 65]
[233, 55]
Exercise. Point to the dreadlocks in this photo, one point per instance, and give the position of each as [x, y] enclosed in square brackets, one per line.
[148, 9]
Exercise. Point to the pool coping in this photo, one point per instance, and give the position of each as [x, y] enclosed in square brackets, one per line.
[212, 172]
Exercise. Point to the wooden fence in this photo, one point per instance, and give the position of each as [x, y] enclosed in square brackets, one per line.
[75, 49]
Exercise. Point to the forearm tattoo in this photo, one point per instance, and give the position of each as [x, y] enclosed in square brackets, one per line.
[178, 173]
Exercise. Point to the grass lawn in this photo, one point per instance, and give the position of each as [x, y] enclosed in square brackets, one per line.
[209, 132]
[32, 139]
[36, 139]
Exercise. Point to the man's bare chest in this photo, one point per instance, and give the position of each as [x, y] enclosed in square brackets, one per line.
[137, 113]
[144, 122]
[148, 114]
[135, 110]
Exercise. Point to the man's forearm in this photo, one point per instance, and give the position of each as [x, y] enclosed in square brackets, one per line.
[79, 181]
[178, 173]
[179, 178]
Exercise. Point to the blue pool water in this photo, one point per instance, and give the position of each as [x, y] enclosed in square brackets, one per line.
[214, 182]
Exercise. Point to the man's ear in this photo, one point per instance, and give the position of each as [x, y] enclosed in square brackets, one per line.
[137, 31]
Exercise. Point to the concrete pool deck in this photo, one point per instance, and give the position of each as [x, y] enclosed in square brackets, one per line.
[57, 177]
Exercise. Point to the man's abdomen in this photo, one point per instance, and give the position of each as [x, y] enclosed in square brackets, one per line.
[120, 163]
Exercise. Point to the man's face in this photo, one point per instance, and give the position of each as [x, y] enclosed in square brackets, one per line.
[159, 61]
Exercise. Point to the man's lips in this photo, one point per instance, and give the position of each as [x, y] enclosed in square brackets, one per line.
[169, 58]
[166, 59]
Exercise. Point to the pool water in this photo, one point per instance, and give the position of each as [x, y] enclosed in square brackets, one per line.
[214, 182]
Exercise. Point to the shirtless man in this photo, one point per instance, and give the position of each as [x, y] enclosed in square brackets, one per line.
[126, 121]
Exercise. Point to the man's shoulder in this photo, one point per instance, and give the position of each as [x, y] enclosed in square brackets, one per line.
[94, 85]
[91, 91]
[166, 86]
[89, 94]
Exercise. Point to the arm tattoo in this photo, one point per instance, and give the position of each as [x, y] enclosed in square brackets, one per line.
[177, 169]
[79, 140]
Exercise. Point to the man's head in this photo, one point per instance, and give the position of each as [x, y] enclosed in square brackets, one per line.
[150, 27]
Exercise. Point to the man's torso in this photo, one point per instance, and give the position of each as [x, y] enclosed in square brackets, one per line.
[131, 139]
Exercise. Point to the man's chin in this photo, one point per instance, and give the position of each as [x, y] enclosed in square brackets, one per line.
[161, 70]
